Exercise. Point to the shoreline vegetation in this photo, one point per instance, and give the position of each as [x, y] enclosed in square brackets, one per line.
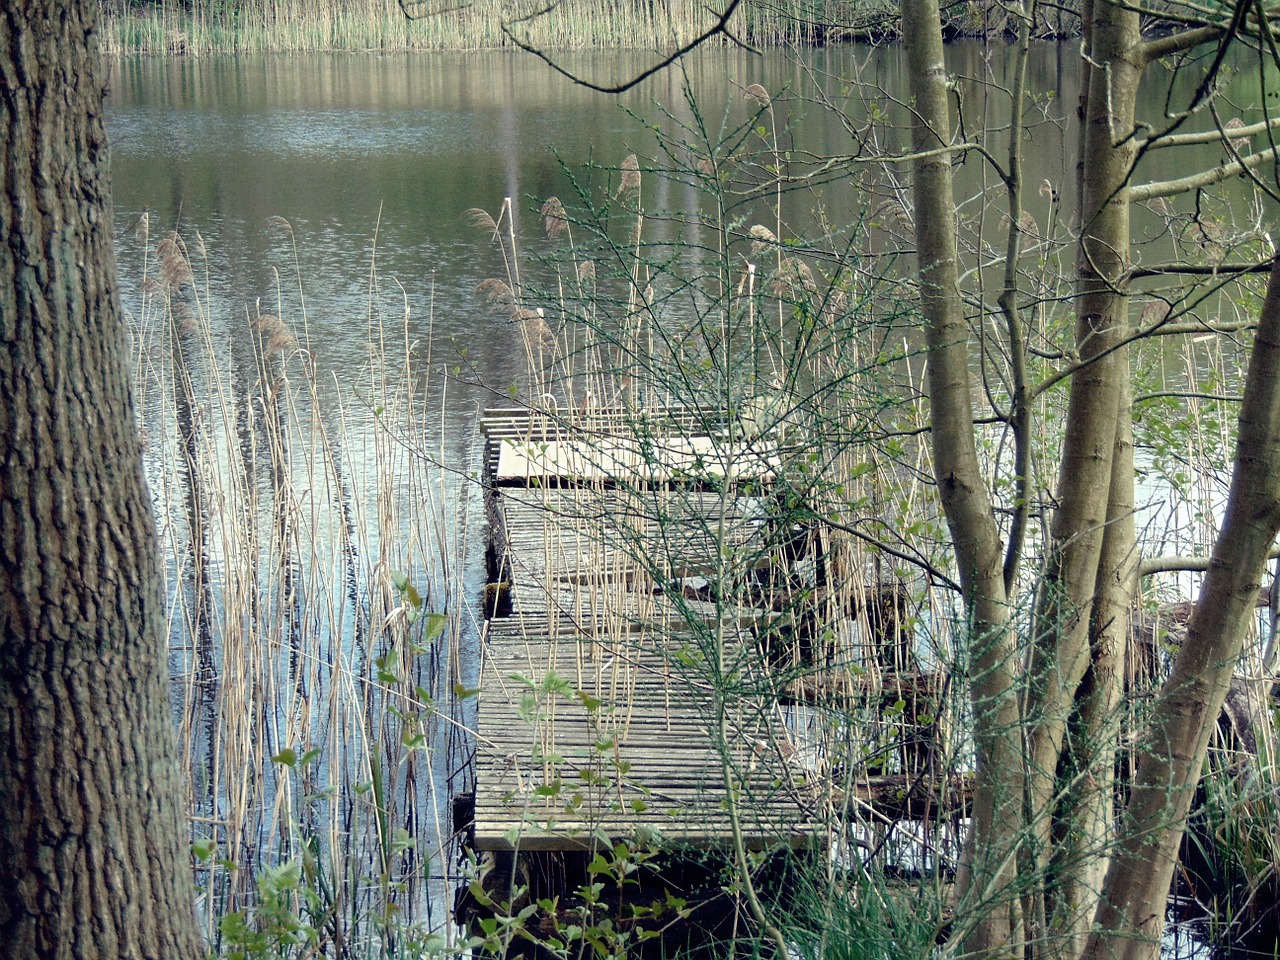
[214, 27]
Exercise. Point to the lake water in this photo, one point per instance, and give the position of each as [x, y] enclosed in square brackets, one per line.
[365, 154]
[331, 192]
[349, 148]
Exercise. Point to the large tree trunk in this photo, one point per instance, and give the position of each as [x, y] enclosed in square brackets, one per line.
[988, 913]
[93, 846]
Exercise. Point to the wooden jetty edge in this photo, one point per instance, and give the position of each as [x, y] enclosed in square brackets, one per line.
[623, 747]
[619, 697]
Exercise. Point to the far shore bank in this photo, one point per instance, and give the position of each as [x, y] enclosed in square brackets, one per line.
[168, 28]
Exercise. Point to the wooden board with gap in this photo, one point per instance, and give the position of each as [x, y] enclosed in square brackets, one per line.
[596, 555]
[618, 446]
[579, 736]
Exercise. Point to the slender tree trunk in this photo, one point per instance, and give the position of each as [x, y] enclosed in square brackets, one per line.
[1086, 826]
[1060, 651]
[93, 846]
[1171, 756]
[988, 896]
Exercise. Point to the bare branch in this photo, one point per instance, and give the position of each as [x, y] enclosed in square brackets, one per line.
[1179, 42]
[720, 27]
[1176, 564]
[1212, 136]
[1187, 395]
[1191, 329]
[1199, 269]
[1198, 181]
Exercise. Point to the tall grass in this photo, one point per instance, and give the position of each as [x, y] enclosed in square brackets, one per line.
[172, 27]
[315, 553]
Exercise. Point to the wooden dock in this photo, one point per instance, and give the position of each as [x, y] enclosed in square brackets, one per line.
[625, 693]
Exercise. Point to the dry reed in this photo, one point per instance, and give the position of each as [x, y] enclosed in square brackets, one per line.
[314, 554]
[171, 27]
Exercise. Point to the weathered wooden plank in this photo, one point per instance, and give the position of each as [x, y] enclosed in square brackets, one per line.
[531, 424]
[602, 553]
[526, 425]
[632, 461]
[623, 718]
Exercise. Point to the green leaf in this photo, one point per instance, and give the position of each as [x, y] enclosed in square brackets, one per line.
[310, 755]
[413, 741]
[434, 627]
[554, 683]
[203, 850]
[599, 865]
[286, 757]
[406, 589]
[528, 709]
[548, 789]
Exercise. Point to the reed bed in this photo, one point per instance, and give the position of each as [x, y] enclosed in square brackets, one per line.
[315, 553]
[174, 27]
[169, 27]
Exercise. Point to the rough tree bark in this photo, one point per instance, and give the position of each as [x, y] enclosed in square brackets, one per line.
[93, 848]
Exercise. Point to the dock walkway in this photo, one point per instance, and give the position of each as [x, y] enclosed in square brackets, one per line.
[625, 691]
